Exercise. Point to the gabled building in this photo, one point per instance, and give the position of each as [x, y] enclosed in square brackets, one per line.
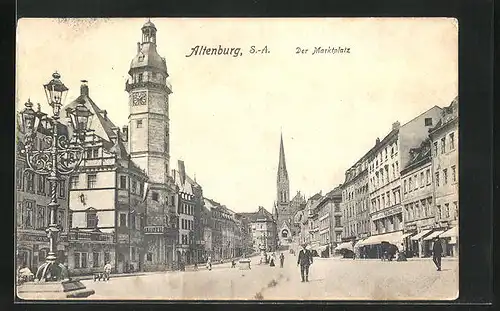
[106, 200]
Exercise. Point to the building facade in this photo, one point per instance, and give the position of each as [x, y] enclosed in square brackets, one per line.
[32, 212]
[386, 159]
[329, 222]
[444, 139]
[418, 201]
[263, 230]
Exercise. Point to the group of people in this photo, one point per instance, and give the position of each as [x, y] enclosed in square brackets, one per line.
[272, 259]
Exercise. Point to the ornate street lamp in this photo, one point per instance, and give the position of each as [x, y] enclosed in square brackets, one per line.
[61, 157]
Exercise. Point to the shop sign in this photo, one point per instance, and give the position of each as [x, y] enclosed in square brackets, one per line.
[411, 227]
[33, 238]
[388, 212]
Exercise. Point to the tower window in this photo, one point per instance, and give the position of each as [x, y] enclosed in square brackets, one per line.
[139, 123]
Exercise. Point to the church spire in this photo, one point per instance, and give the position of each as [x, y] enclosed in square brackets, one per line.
[282, 172]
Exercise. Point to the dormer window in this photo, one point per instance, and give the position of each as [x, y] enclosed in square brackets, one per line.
[141, 57]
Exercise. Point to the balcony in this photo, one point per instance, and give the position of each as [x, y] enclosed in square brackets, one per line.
[164, 87]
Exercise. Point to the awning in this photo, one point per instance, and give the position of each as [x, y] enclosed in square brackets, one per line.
[395, 238]
[420, 235]
[450, 233]
[345, 245]
[433, 235]
[407, 235]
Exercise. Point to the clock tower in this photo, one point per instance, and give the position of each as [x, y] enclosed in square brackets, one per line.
[148, 105]
[149, 146]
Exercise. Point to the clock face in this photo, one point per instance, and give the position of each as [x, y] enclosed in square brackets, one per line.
[139, 98]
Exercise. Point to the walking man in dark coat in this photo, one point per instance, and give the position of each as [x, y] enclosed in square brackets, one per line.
[437, 251]
[304, 260]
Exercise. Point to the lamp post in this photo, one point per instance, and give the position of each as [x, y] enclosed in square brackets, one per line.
[61, 158]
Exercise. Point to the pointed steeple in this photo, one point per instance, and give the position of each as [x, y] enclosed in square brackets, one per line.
[282, 172]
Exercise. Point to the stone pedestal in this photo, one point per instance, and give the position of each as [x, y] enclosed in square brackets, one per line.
[53, 290]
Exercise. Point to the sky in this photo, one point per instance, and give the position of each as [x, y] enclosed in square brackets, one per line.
[227, 113]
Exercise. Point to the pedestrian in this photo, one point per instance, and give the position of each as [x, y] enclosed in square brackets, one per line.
[304, 260]
[437, 251]
[272, 259]
[107, 271]
[209, 263]
[282, 260]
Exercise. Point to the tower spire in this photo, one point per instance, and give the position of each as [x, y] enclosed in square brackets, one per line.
[282, 172]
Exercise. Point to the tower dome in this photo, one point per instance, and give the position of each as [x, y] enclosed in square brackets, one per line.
[147, 55]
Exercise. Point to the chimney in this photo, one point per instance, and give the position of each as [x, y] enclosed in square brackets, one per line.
[395, 125]
[377, 141]
[125, 133]
[84, 88]
[105, 114]
[182, 171]
[138, 47]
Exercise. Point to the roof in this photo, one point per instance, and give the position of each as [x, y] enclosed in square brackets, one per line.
[147, 56]
[448, 115]
[261, 213]
[419, 155]
[101, 124]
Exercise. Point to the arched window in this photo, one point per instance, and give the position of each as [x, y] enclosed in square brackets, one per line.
[284, 233]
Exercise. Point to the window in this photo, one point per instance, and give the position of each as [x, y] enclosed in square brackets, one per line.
[60, 219]
[88, 153]
[29, 181]
[428, 176]
[397, 167]
[41, 184]
[74, 182]
[405, 185]
[132, 221]
[134, 186]
[447, 210]
[139, 123]
[435, 148]
[133, 253]
[62, 188]
[80, 260]
[77, 260]
[452, 141]
[107, 257]
[91, 216]
[410, 185]
[95, 152]
[454, 173]
[91, 181]
[416, 181]
[154, 196]
[438, 211]
[123, 220]
[428, 121]
[422, 180]
[19, 178]
[445, 176]
[455, 210]
[123, 182]
[28, 219]
[437, 179]
[40, 217]
[417, 210]
[443, 145]
[149, 256]
[95, 260]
